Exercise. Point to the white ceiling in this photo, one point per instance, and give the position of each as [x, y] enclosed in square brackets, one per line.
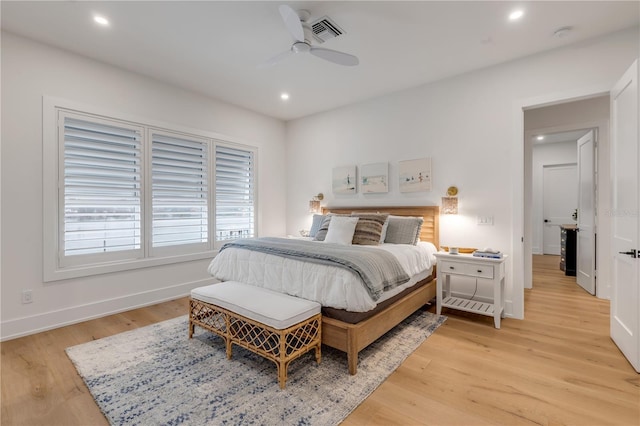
[215, 47]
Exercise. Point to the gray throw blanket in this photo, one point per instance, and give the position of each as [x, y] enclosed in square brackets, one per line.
[378, 269]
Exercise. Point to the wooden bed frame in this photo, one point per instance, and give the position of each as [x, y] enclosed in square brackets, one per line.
[352, 338]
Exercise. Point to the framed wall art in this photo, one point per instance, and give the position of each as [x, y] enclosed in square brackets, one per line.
[344, 180]
[374, 178]
[415, 175]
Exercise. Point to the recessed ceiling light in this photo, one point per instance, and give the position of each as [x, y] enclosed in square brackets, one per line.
[284, 96]
[540, 138]
[516, 14]
[101, 20]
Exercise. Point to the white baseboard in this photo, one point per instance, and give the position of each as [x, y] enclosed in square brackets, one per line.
[25, 326]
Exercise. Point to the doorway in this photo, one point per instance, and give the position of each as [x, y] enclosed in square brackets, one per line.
[568, 120]
[559, 201]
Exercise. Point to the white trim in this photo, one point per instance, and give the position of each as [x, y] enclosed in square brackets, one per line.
[52, 102]
[517, 199]
[25, 326]
[603, 223]
[53, 269]
[105, 268]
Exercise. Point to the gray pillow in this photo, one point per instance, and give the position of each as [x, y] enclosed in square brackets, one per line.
[324, 228]
[403, 230]
[315, 226]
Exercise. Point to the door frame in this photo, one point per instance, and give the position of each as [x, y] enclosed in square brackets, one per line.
[603, 222]
[521, 267]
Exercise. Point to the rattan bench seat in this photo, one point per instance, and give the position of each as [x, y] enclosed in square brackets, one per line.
[276, 326]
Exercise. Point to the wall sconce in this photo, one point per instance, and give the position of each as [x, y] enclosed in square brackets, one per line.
[450, 203]
[314, 204]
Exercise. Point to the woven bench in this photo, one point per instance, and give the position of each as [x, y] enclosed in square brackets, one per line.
[276, 326]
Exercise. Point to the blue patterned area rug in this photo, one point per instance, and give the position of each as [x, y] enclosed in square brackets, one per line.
[156, 375]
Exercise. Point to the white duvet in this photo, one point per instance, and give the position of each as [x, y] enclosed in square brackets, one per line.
[328, 285]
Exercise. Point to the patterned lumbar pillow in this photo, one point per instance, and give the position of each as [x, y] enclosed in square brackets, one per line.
[369, 228]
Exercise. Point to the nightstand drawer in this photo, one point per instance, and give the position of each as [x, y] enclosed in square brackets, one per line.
[470, 269]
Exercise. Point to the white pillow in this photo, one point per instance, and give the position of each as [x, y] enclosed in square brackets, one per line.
[341, 230]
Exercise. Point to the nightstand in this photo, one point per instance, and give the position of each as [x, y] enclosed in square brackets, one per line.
[490, 271]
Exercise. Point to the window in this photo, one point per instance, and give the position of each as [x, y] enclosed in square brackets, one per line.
[102, 191]
[133, 195]
[180, 191]
[234, 193]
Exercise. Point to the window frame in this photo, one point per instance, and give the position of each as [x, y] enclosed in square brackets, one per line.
[173, 250]
[219, 243]
[87, 259]
[54, 269]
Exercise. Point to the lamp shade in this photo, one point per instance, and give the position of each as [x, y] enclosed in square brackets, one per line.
[449, 205]
[314, 206]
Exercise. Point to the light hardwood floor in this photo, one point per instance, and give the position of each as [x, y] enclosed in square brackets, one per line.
[558, 366]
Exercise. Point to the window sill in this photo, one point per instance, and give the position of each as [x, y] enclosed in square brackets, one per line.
[118, 266]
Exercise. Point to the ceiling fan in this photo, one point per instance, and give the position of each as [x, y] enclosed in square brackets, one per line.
[298, 26]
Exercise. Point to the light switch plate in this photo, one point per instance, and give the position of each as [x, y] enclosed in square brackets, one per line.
[485, 220]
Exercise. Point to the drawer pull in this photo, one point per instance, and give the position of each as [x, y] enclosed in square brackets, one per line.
[451, 267]
[479, 271]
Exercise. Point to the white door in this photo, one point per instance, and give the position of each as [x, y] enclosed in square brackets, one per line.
[625, 296]
[559, 200]
[586, 235]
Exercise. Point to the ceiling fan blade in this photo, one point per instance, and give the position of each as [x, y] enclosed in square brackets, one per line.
[274, 60]
[292, 22]
[334, 56]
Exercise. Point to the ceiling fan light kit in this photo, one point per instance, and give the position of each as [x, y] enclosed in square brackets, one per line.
[303, 34]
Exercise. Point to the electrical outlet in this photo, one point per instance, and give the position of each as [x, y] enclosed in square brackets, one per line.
[27, 296]
[485, 220]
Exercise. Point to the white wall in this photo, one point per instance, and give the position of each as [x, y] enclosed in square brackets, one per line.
[467, 125]
[30, 71]
[546, 155]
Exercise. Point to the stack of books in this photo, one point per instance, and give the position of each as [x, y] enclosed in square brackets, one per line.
[490, 254]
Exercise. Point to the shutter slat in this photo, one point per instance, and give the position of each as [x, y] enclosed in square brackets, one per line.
[102, 187]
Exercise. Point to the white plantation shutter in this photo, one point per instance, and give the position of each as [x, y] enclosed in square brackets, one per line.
[120, 194]
[179, 169]
[102, 187]
[235, 199]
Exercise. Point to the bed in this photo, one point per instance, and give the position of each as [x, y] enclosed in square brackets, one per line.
[351, 327]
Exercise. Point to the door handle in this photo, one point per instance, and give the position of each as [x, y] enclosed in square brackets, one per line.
[632, 253]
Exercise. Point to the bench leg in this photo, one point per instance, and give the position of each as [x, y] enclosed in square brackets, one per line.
[192, 328]
[318, 353]
[282, 374]
[228, 343]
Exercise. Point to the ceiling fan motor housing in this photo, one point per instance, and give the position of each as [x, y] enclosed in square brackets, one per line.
[300, 47]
